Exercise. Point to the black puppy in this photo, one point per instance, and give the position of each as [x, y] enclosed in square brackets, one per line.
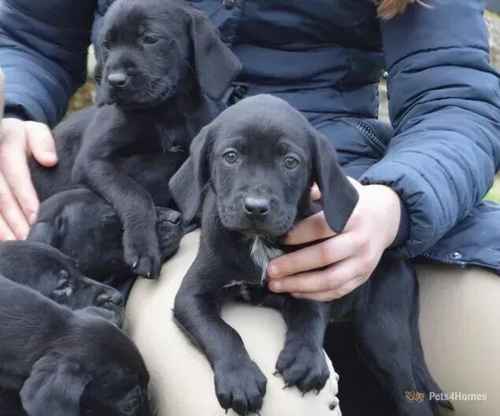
[57, 276]
[66, 363]
[254, 167]
[162, 70]
[83, 226]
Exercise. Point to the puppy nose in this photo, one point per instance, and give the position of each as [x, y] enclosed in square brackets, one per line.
[118, 79]
[256, 206]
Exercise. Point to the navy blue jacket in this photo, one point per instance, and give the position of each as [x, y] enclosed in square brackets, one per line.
[326, 57]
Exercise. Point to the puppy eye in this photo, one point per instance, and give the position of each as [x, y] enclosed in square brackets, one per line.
[106, 44]
[291, 162]
[149, 39]
[230, 156]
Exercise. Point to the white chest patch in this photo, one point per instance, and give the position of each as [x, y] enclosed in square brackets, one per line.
[261, 253]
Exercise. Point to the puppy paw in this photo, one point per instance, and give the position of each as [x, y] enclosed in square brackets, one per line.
[303, 364]
[142, 254]
[169, 229]
[240, 386]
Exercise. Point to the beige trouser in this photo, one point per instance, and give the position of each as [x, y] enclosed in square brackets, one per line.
[460, 317]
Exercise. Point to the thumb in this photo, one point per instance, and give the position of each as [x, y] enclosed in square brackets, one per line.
[41, 143]
[315, 192]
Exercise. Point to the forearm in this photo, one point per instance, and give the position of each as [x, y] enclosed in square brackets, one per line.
[444, 106]
[43, 56]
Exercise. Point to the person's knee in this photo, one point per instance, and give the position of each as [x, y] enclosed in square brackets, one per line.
[459, 315]
[181, 377]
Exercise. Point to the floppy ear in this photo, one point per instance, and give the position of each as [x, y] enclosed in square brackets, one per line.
[98, 312]
[188, 183]
[43, 232]
[100, 96]
[2, 96]
[338, 195]
[215, 65]
[54, 388]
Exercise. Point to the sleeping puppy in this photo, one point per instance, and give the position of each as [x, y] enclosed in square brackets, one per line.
[253, 168]
[55, 275]
[66, 363]
[162, 71]
[83, 226]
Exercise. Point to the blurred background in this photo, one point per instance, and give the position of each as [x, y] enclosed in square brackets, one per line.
[84, 96]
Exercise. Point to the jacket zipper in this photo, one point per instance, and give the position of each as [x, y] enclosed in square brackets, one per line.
[368, 132]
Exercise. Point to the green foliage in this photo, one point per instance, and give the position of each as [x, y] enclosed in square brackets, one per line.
[494, 194]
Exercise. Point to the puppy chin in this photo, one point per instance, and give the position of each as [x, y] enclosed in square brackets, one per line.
[140, 101]
[103, 97]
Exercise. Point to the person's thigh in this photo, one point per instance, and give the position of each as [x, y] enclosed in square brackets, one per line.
[181, 378]
[460, 327]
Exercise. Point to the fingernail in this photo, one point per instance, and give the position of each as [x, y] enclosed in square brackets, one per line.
[51, 157]
[275, 286]
[272, 270]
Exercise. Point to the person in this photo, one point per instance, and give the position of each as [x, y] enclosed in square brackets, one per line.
[421, 182]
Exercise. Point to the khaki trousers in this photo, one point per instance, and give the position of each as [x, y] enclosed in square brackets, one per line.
[460, 319]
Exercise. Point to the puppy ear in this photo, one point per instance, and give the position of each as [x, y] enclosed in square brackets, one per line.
[115, 318]
[2, 95]
[54, 388]
[100, 96]
[215, 65]
[43, 232]
[188, 183]
[338, 195]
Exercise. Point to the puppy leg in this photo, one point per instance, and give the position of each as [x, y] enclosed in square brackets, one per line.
[239, 383]
[96, 167]
[302, 362]
[170, 231]
[386, 338]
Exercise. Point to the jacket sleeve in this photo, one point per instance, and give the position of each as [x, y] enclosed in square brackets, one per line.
[43, 47]
[445, 108]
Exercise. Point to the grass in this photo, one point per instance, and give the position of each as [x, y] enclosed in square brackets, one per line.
[494, 194]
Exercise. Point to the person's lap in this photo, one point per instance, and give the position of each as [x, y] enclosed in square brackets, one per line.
[459, 314]
[460, 311]
[182, 380]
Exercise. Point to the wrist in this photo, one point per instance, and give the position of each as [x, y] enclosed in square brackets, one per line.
[392, 210]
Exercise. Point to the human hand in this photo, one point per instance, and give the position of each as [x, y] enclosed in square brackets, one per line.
[18, 200]
[336, 266]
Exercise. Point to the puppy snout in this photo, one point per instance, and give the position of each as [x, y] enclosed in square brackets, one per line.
[118, 79]
[256, 206]
[114, 298]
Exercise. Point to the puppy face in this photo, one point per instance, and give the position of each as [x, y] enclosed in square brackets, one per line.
[80, 225]
[261, 157]
[260, 172]
[55, 275]
[120, 379]
[96, 370]
[149, 51]
[141, 56]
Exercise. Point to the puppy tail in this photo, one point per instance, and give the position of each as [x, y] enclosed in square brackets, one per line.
[423, 378]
